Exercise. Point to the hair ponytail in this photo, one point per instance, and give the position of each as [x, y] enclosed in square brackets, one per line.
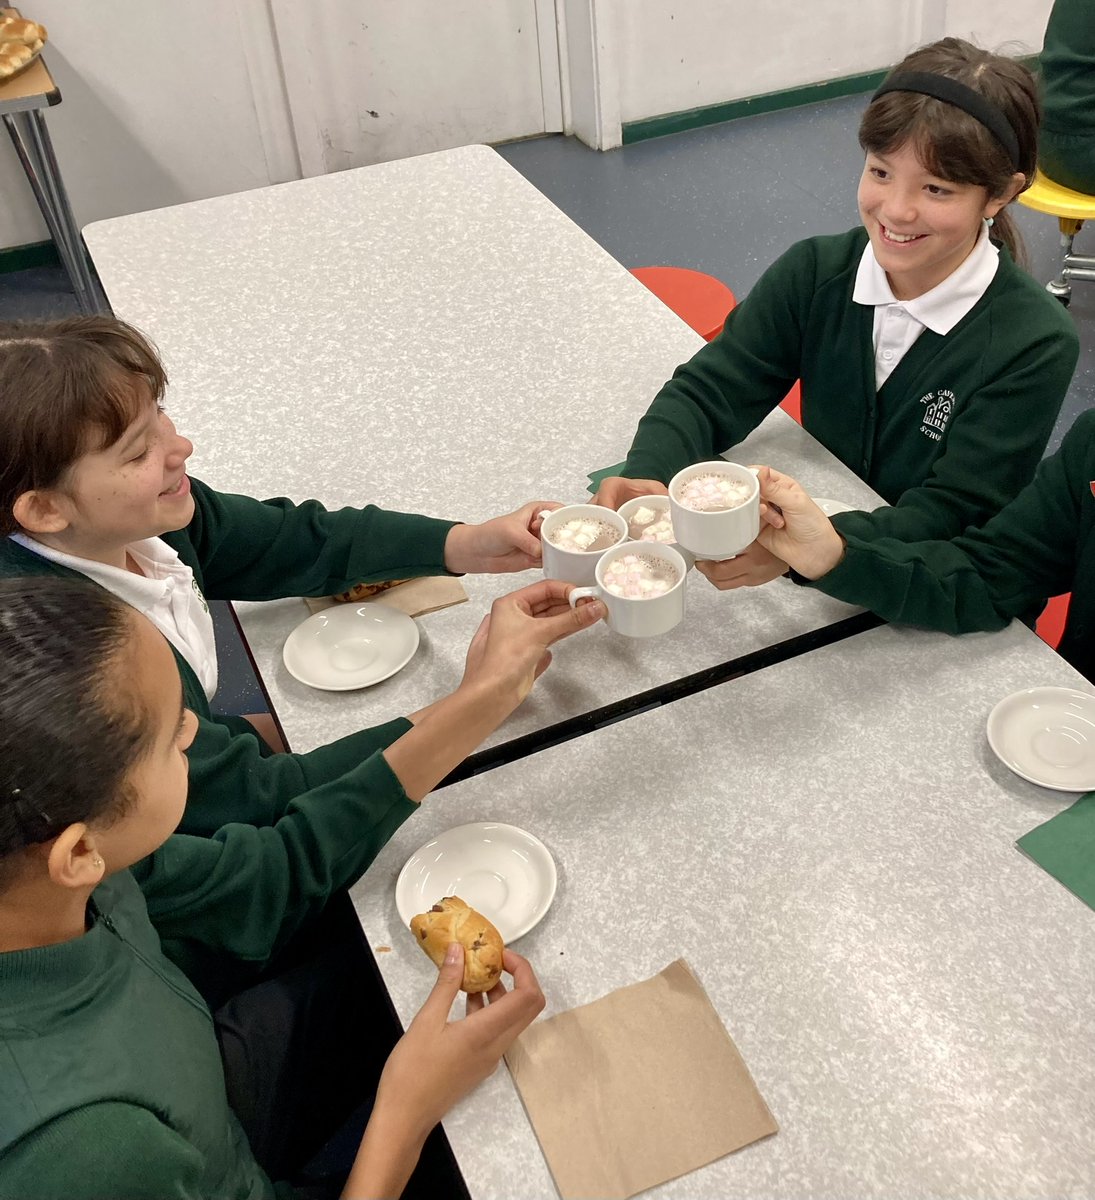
[1005, 232]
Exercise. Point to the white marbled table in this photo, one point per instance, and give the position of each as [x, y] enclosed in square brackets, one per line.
[829, 842]
[434, 335]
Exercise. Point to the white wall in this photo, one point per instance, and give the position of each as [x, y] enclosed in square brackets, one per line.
[167, 101]
[1010, 26]
[155, 110]
[673, 55]
[375, 80]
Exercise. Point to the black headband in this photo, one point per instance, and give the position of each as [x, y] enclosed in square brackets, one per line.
[950, 91]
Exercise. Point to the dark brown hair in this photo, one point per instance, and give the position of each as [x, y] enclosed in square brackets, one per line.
[67, 388]
[948, 141]
[70, 728]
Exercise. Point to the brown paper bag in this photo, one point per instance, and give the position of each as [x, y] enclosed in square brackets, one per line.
[636, 1088]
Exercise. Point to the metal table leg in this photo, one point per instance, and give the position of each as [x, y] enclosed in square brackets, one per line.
[31, 140]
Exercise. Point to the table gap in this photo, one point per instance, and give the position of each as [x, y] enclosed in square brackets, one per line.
[656, 697]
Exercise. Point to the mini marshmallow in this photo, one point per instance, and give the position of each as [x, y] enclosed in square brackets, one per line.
[659, 531]
[636, 577]
[583, 534]
[712, 493]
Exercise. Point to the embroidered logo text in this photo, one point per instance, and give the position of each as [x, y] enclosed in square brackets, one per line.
[938, 407]
[198, 593]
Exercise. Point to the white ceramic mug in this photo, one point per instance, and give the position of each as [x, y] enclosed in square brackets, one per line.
[577, 566]
[660, 504]
[722, 533]
[634, 616]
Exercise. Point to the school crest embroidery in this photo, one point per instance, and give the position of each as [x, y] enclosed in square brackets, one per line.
[198, 593]
[938, 407]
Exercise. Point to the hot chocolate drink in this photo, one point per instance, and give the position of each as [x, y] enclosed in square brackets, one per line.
[713, 493]
[584, 534]
[639, 576]
[650, 525]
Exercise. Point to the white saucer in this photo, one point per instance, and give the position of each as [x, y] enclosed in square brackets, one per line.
[831, 507]
[1047, 735]
[350, 646]
[501, 871]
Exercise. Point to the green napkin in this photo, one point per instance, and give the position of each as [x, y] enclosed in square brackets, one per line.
[1065, 847]
[595, 477]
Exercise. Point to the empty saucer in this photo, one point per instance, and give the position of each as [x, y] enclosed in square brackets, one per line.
[1047, 735]
[501, 871]
[831, 507]
[350, 646]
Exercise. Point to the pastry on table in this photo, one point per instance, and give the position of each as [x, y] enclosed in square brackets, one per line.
[452, 920]
[362, 591]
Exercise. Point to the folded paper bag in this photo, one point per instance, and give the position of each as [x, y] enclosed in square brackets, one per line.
[416, 597]
[636, 1088]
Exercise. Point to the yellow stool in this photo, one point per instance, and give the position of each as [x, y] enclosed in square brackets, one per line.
[1071, 209]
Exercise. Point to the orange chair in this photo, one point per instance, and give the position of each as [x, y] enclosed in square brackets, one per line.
[1051, 624]
[702, 302]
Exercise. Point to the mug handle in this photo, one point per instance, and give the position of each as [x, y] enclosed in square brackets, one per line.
[583, 593]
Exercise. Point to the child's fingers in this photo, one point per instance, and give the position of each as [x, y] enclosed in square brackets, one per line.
[449, 978]
[772, 515]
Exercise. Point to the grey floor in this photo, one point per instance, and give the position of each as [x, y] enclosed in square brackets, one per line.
[725, 200]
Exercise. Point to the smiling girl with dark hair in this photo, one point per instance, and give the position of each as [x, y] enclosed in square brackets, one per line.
[94, 484]
[931, 365]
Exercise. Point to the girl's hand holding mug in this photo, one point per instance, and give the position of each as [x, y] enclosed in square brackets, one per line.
[510, 649]
[616, 490]
[794, 529]
[503, 544]
[751, 568]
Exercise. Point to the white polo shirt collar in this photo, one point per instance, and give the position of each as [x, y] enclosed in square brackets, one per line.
[948, 302]
[167, 594]
[899, 323]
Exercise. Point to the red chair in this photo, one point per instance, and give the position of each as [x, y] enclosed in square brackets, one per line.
[702, 302]
[792, 403]
[1051, 624]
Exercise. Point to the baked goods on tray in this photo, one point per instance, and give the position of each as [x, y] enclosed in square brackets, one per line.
[20, 43]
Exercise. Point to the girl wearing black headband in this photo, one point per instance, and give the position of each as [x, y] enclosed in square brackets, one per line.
[931, 364]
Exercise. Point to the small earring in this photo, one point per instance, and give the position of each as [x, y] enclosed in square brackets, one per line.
[97, 863]
[989, 221]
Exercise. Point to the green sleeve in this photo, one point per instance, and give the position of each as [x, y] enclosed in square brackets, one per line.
[988, 576]
[993, 446]
[110, 1151]
[244, 891]
[231, 780]
[730, 385]
[266, 549]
